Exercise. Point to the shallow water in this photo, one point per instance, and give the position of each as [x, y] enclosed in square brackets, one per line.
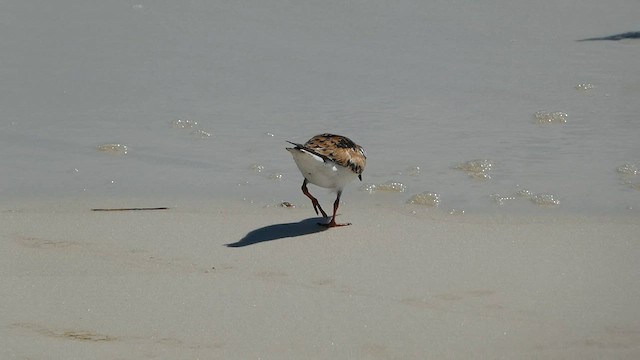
[203, 96]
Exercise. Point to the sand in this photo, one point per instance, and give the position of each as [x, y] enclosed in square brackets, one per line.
[218, 275]
[240, 281]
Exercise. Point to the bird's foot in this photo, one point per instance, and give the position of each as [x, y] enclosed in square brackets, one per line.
[333, 223]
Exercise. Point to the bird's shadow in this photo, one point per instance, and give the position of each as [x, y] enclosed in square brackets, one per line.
[280, 231]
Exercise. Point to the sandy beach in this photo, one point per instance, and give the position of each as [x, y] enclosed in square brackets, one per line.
[243, 281]
[493, 111]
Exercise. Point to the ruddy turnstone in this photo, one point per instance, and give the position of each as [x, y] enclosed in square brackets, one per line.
[329, 161]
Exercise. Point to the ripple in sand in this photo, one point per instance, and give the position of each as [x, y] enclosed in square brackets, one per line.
[545, 117]
[389, 186]
[426, 199]
[115, 149]
[477, 169]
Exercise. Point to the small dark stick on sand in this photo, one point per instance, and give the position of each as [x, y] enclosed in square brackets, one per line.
[616, 37]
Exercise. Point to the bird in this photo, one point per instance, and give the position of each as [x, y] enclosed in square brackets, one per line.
[329, 161]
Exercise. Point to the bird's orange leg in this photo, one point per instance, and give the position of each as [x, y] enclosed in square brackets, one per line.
[314, 201]
[333, 223]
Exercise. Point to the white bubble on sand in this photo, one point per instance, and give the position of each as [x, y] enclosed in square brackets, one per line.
[545, 117]
[538, 199]
[585, 87]
[477, 169]
[628, 169]
[276, 176]
[545, 200]
[410, 171]
[115, 149]
[524, 193]
[389, 186]
[628, 173]
[257, 167]
[426, 199]
[501, 199]
[191, 124]
[201, 134]
[184, 124]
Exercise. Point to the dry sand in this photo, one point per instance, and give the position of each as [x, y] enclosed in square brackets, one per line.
[78, 284]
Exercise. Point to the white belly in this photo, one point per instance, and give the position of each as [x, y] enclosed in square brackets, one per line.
[321, 173]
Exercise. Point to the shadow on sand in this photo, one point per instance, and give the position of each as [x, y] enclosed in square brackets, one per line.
[280, 231]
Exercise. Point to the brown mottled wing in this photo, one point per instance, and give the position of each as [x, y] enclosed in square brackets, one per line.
[310, 150]
[339, 149]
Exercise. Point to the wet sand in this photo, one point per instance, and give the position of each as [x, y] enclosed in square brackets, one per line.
[241, 281]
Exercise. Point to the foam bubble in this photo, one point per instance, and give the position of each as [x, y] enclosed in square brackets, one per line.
[501, 199]
[628, 169]
[115, 149]
[545, 200]
[389, 186]
[627, 173]
[538, 199]
[410, 171]
[477, 169]
[426, 198]
[545, 117]
[585, 86]
[184, 124]
[201, 134]
[524, 193]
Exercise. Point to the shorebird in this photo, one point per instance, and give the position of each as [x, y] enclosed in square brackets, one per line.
[329, 161]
